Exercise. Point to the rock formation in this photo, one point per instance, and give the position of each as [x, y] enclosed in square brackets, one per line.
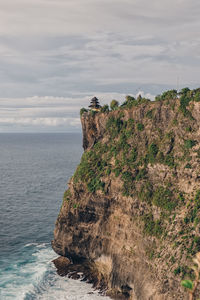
[132, 207]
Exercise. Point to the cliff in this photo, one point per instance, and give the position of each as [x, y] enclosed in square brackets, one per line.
[132, 207]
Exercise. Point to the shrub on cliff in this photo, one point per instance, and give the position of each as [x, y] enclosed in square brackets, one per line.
[197, 95]
[152, 227]
[168, 95]
[152, 152]
[82, 110]
[105, 108]
[197, 199]
[92, 168]
[146, 192]
[149, 113]
[140, 126]
[162, 197]
[114, 125]
[95, 184]
[67, 195]
[129, 102]
[169, 160]
[114, 104]
[192, 285]
[133, 155]
[128, 186]
[186, 95]
[189, 144]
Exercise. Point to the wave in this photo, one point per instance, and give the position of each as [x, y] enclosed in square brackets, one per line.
[33, 277]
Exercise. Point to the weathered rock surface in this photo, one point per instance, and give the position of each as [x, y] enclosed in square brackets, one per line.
[136, 243]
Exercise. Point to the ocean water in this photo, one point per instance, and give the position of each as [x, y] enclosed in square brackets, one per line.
[34, 170]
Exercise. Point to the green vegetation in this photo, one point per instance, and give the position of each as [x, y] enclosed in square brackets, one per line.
[67, 195]
[140, 126]
[185, 95]
[128, 185]
[184, 102]
[131, 151]
[188, 129]
[191, 285]
[152, 227]
[131, 101]
[149, 114]
[82, 110]
[169, 160]
[197, 199]
[180, 270]
[163, 198]
[141, 174]
[196, 95]
[93, 113]
[92, 168]
[133, 155]
[104, 109]
[113, 126]
[189, 144]
[129, 164]
[152, 152]
[114, 104]
[188, 166]
[146, 192]
[95, 184]
[168, 95]
[143, 159]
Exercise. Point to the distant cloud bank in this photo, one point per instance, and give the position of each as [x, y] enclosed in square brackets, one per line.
[48, 113]
[73, 49]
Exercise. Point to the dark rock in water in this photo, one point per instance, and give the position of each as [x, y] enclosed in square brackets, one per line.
[85, 271]
[62, 263]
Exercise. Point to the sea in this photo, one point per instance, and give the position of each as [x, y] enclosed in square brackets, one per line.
[34, 171]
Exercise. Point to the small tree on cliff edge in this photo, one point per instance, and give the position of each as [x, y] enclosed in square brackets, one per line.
[114, 104]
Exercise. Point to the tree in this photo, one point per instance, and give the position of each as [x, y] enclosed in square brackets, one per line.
[184, 91]
[130, 102]
[83, 110]
[114, 104]
[105, 108]
[129, 98]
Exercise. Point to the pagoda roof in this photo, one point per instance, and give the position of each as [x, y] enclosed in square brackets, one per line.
[94, 99]
[94, 103]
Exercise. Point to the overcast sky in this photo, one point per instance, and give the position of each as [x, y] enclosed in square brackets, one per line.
[56, 54]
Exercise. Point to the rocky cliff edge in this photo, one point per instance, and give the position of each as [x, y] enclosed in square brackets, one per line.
[132, 206]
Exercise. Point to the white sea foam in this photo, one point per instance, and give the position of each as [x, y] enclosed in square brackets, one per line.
[32, 244]
[69, 289]
[22, 277]
[36, 279]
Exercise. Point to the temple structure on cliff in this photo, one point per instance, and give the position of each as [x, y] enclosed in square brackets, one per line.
[94, 104]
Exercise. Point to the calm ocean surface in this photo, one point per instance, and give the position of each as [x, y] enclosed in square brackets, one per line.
[34, 170]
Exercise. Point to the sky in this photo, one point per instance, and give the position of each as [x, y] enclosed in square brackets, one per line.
[57, 54]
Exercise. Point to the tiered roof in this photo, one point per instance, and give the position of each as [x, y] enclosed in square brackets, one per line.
[94, 103]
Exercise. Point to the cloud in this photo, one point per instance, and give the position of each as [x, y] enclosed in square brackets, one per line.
[42, 122]
[49, 113]
[53, 17]
[70, 50]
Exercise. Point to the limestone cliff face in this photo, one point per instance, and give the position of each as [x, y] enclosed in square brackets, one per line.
[132, 207]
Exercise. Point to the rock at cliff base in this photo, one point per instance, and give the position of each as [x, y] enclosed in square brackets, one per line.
[62, 263]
